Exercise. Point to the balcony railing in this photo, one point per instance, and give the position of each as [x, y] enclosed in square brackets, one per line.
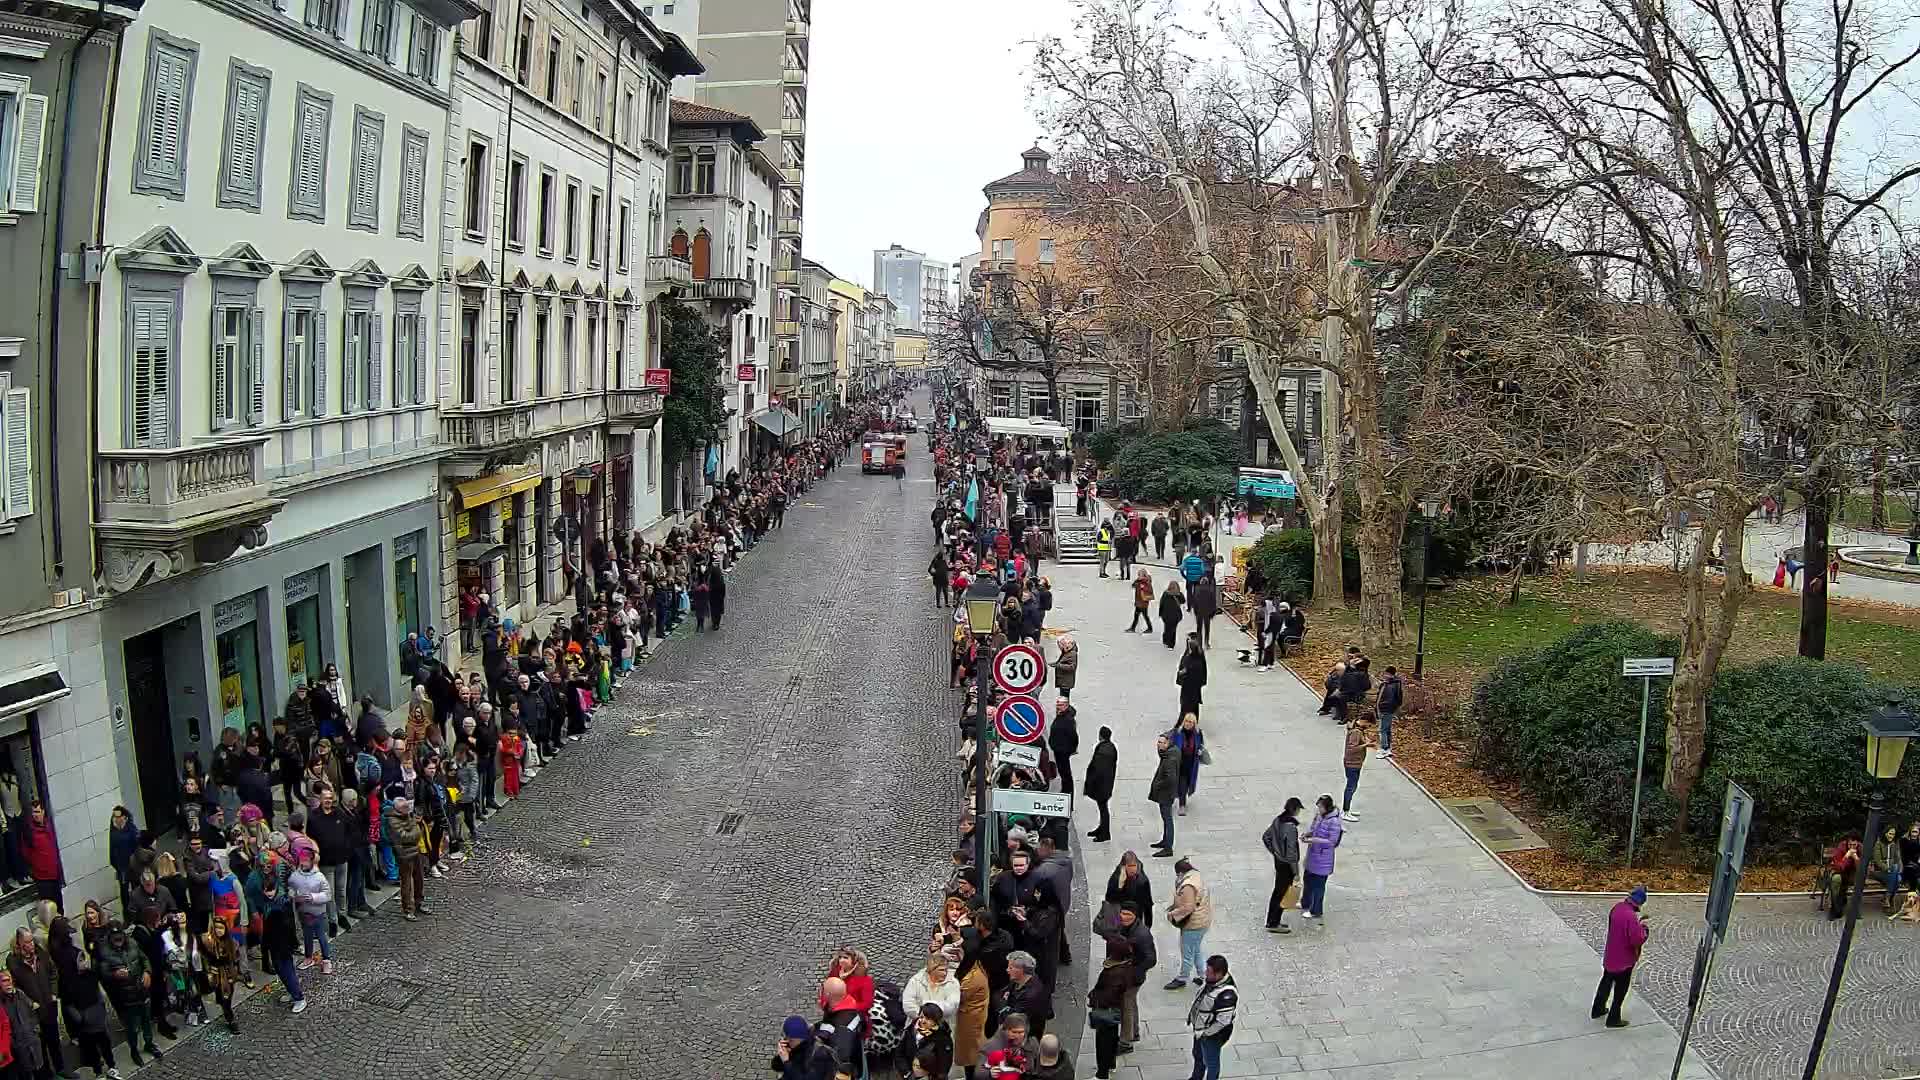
[791, 176]
[793, 127]
[789, 225]
[669, 271]
[162, 487]
[635, 404]
[797, 29]
[787, 278]
[786, 328]
[794, 76]
[727, 290]
[499, 426]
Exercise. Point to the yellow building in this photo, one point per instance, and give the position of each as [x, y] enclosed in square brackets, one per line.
[909, 350]
[852, 340]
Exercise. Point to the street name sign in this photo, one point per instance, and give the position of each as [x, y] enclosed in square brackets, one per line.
[1038, 803]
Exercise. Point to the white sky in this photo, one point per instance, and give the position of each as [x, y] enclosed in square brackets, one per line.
[913, 106]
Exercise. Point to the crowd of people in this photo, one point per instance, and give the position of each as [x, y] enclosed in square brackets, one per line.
[287, 832]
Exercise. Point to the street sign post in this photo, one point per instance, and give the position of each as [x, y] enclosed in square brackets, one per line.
[1735, 817]
[1037, 803]
[1015, 754]
[1019, 669]
[1019, 719]
[1646, 669]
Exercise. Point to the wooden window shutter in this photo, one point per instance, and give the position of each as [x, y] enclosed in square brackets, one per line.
[217, 342]
[417, 341]
[29, 151]
[289, 367]
[318, 383]
[18, 420]
[257, 367]
[376, 356]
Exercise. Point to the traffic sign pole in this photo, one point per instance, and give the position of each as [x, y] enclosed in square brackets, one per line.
[1646, 670]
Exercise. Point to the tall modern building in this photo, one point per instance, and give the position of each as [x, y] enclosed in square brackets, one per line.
[755, 55]
[917, 285]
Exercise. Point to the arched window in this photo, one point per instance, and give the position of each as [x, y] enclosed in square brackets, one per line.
[679, 243]
[702, 254]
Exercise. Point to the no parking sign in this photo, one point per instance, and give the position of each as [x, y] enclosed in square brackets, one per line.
[1019, 719]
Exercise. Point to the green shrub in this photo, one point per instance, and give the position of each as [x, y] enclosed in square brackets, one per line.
[1106, 444]
[1564, 722]
[1789, 732]
[1285, 557]
[1176, 466]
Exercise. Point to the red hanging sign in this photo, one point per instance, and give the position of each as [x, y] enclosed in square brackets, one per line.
[660, 379]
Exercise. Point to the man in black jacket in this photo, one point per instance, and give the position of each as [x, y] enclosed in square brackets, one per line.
[1026, 994]
[328, 828]
[1063, 738]
[1140, 935]
[843, 1024]
[1387, 707]
[1098, 785]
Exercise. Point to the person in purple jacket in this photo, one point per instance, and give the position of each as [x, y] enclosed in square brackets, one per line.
[1626, 933]
[1322, 837]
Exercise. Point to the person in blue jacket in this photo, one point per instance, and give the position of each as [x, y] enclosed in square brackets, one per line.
[1193, 568]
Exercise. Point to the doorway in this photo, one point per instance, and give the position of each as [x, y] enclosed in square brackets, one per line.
[366, 598]
[155, 759]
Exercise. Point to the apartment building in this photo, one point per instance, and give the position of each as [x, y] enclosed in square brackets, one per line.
[268, 279]
[917, 285]
[59, 733]
[553, 218]
[720, 218]
[815, 330]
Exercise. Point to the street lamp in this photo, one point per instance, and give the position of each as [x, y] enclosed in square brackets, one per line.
[1888, 730]
[1430, 508]
[983, 607]
[582, 485]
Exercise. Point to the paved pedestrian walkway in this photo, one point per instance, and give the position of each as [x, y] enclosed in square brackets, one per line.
[1432, 962]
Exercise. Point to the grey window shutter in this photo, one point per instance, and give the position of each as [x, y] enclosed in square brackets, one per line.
[376, 356]
[257, 368]
[289, 369]
[18, 421]
[217, 345]
[28, 152]
[318, 387]
[169, 115]
[418, 344]
[350, 365]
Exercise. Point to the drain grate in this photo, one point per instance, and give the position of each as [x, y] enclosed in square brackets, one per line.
[395, 994]
[729, 824]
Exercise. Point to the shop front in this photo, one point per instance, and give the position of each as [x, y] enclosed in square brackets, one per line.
[485, 537]
[307, 623]
[236, 628]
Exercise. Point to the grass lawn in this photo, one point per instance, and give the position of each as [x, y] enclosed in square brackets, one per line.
[1471, 627]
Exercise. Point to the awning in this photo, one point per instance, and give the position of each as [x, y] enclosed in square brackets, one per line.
[479, 550]
[25, 690]
[778, 421]
[486, 489]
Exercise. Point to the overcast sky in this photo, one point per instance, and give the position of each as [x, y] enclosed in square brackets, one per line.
[911, 108]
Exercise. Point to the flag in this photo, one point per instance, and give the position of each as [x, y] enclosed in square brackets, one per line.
[973, 500]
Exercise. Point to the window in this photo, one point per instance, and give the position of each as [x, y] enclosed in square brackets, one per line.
[304, 352]
[483, 31]
[1003, 251]
[238, 361]
[703, 171]
[620, 238]
[469, 380]
[363, 186]
[376, 29]
[413, 183]
[423, 58]
[360, 353]
[160, 164]
[573, 220]
[594, 227]
[327, 16]
[544, 225]
[540, 350]
[246, 137]
[553, 69]
[1002, 399]
[23, 143]
[567, 355]
[753, 225]
[510, 353]
[409, 352]
[600, 100]
[16, 444]
[523, 51]
[579, 86]
[595, 356]
[517, 202]
[1046, 249]
[312, 131]
[682, 171]
[153, 339]
[476, 195]
[627, 117]
[620, 352]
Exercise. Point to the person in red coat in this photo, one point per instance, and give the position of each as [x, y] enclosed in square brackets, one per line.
[42, 853]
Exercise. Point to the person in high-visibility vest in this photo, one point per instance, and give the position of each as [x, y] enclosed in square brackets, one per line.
[1103, 543]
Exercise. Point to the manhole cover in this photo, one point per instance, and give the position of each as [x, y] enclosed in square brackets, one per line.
[395, 994]
[1502, 834]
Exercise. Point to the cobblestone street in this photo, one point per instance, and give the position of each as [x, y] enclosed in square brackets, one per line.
[663, 895]
[1757, 1019]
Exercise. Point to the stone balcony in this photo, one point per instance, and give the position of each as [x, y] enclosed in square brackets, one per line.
[638, 408]
[732, 292]
[491, 430]
[166, 512]
[667, 273]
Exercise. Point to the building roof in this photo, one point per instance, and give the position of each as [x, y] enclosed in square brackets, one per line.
[690, 112]
[1034, 176]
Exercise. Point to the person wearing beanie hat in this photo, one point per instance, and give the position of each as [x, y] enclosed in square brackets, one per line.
[798, 1055]
[1626, 933]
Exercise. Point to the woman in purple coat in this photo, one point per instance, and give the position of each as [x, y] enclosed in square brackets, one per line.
[1322, 837]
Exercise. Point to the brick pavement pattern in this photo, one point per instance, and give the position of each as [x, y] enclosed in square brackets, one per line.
[609, 928]
[1432, 963]
[1756, 1021]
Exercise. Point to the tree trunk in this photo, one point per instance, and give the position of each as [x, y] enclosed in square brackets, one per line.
[1705, 630]
[1383, 617]
[1878, 522]
[1329, 580]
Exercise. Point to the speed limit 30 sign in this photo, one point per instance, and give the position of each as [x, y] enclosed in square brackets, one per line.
[1019, 669]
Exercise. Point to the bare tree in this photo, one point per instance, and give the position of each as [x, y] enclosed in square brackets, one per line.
[1040, 320]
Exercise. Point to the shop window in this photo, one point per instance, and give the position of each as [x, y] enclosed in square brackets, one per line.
[406, 586]
[306, 649]
[239, 654]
